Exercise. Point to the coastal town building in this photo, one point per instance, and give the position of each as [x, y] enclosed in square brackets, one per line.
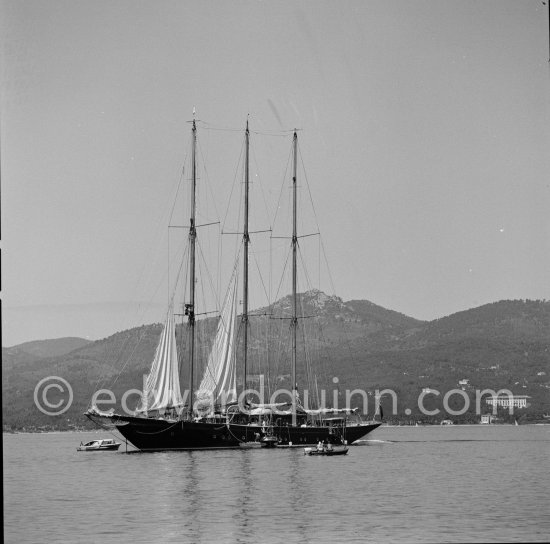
[508, 401]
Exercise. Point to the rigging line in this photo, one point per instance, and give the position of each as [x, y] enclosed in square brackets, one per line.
[270, 280]
[308, 352]
[319, 263]
[250, 232]
[282, 349]
[184, 331]
[280, 133]
[270, 307]
[199, 329]
[260, 182]
[196, 226]
[303, 328]
[235, 437]
[166, 213]
[283, 273]
[266, 329]
[308, 358]
[220, 129]
[331, 281]
[202, 332]
[168, 267]
[219, 263]
[174, 201]
[258, 354]
[207, 182]
[205, 340]
[140, 338]
[157, 229]
[209, 189]
[112, 361]
[277, 354]
[161, 431]
[347, 344]
[207, 274]
[309, 191]
[164, 277]
[102, 377]
[323, 340]
[260, 276]
[178, 275]
[217, 296]
[272, 338]
[282, 187]
[309, 283]
[240, 213]
[184, 266]
[233, 185]
[237, 248]
[234, 277]
[122, 349]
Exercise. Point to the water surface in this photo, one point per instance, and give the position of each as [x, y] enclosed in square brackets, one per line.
[405, 484]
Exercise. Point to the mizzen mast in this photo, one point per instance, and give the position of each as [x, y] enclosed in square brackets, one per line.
[246, 242]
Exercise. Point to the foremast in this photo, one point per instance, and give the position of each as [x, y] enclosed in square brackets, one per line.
[190, 307]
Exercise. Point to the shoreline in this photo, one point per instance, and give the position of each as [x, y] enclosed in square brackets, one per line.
[384, 426]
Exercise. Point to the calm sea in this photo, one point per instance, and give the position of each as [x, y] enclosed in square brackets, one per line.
[406, 484]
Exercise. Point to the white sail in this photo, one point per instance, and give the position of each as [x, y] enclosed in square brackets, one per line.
[162, 386]
[219, 383]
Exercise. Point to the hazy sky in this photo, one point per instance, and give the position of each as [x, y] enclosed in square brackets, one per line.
[425, 135]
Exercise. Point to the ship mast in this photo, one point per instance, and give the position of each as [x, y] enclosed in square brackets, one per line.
[294, 322]
[246, 242]
[190, 308]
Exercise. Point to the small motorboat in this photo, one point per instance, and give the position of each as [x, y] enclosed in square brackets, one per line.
[106, 444]
[327, 450]
[269, 441]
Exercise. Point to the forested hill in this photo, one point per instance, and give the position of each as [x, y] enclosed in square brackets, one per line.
[499, 345]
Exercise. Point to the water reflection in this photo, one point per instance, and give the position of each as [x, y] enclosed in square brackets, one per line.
[245, 493]
[189, 500]
[299, 494]
[424, 486]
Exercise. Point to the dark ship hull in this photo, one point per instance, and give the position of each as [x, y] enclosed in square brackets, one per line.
[149, 434]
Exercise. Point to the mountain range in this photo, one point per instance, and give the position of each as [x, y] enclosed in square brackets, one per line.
[356, 345]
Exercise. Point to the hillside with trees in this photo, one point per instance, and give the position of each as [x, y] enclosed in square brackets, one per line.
[352, 345]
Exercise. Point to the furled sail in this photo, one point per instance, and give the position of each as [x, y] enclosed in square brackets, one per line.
[162, 385]
[219, 385]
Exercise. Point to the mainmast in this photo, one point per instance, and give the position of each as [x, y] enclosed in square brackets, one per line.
[294, 322]
[246, 242]
[190, 308]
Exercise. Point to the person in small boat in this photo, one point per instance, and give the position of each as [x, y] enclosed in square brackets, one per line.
[320, 446]
[329, 447]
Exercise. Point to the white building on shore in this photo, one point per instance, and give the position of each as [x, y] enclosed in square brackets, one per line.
[508, 401]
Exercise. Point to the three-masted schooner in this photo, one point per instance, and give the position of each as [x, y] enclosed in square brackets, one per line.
[212, 416]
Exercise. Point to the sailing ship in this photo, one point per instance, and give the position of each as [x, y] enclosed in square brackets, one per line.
[212, 416]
